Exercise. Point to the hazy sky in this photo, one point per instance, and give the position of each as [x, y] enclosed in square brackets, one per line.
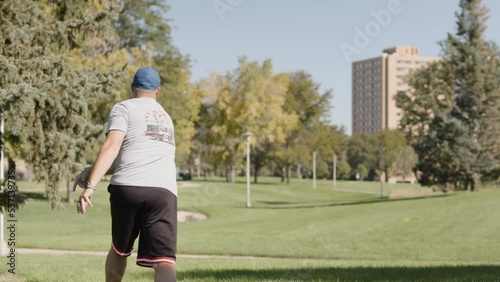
[309, 35]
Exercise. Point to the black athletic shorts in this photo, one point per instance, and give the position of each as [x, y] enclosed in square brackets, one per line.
[150, 211]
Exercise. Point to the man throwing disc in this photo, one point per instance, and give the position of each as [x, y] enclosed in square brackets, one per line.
[139, 150]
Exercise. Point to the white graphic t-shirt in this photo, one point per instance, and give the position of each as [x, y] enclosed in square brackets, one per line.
[147, 155]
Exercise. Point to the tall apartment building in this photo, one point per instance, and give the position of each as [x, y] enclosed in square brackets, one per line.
[375, 82]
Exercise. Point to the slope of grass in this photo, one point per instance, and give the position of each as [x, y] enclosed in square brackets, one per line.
[294, 221]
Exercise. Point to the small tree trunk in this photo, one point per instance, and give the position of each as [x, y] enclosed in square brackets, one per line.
[12, 165]
[69, 191]
[229, 174]
[282, 174]
[256, 171]
[190, 170]
[416, 175]
[288, 172]
[466, 183]
[476, 181]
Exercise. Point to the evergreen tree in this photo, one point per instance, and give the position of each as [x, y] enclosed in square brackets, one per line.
[44, 100]
[476, 68]
[452, 116]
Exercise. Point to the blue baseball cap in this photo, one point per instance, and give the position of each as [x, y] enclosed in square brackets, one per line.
[146, 78]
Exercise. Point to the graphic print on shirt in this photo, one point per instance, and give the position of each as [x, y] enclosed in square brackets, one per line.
[159, 126]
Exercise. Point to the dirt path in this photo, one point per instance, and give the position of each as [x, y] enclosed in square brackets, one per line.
[355, 191]
[187, 184]
[102, 253]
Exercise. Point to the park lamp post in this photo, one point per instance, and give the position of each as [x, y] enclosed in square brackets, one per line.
[248, 135]
[334, 170]
[381, 148]
[314, 170]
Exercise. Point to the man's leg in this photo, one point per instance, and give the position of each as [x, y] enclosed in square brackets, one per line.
[115, 267]
[165, 272]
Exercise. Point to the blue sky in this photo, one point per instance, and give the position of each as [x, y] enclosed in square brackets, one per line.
[308, 35]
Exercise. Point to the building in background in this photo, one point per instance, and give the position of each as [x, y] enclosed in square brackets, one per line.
[376, 81]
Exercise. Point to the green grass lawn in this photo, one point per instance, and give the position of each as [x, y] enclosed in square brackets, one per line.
[90, 268]
[309, 235]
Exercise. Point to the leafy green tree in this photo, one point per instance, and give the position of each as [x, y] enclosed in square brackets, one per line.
[404, 161]
[398, 156]
[181, 99]
[363, 150]
[205, 147]
[143, 22]
[326, 140]
[304, 99]
[343, 170]
[361, 171]
[45, 101]
[248, 99]
[384, 151]
[217, 126]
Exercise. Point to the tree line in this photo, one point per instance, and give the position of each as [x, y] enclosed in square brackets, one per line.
[449, 135]
[63, 64]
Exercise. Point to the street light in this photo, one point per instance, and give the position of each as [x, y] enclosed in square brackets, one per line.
[334, 172]
[247, 135]
[314, 169]
[381, 170]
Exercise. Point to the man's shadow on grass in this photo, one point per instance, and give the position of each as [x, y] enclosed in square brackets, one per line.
[306, 205]
[438, 273]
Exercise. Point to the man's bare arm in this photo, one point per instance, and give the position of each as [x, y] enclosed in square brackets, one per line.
[105, 159]
[107, 155]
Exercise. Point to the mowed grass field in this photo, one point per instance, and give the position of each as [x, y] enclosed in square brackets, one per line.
[295, 233]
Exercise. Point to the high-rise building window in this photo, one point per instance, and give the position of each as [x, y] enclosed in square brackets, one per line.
[374, 85]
